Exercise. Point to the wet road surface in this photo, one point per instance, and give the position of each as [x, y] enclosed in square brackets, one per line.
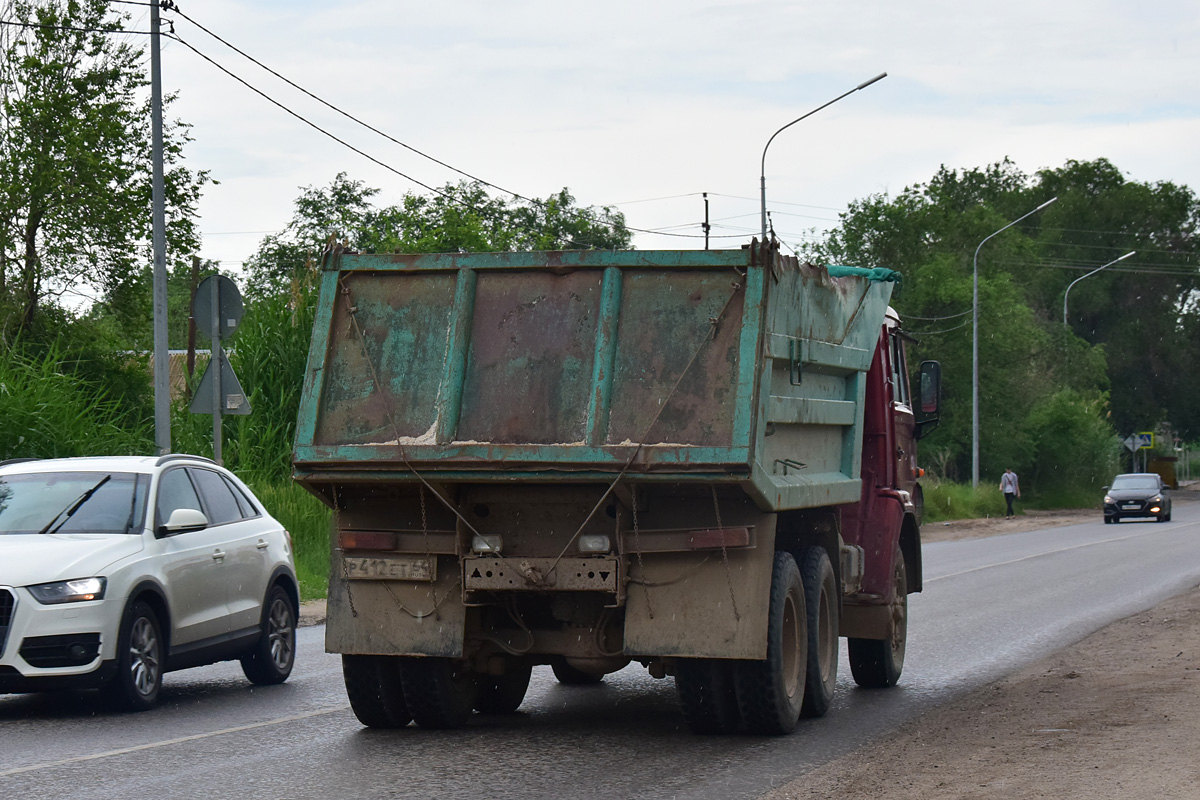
[990, 605]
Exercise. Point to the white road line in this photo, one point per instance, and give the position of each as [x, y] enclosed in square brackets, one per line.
[167, 742]
[1154, 532]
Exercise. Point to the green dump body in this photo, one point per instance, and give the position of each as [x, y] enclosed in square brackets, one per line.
[722, 367]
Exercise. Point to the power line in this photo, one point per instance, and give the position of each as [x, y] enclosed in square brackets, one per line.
[938, 319]
[963, 324]
[582, 214]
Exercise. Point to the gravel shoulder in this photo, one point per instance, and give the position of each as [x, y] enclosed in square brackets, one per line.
[1116, 715]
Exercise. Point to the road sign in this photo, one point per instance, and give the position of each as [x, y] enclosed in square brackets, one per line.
[1132, 442]
[1145, 440]
[229, 305]
[233, 398]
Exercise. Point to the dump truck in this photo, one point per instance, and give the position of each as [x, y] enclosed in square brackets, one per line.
[700, 461]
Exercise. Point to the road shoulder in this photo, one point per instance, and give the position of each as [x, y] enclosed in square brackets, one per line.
[1116, 715]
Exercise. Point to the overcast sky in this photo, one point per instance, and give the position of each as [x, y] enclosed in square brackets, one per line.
[644, 105]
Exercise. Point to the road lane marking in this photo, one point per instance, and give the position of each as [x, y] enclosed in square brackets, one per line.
[167, 742]
[1059, 550]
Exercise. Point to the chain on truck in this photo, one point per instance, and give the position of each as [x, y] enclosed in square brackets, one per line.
[700, 461]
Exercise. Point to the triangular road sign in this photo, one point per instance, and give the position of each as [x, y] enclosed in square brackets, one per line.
[233, 399]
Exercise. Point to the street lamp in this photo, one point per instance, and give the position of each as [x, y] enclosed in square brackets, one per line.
[975, 346]
[1081, 277]
[762, 175]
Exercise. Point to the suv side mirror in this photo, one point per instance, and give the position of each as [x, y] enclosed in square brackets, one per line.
[184, 519]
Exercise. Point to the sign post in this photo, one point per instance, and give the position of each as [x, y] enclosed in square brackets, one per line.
[217, 307]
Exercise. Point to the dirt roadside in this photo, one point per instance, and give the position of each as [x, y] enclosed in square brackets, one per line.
[1115, 716]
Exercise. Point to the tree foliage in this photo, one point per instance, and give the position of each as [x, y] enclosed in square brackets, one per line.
[458, 218]
[1046, 390]
[75, 165]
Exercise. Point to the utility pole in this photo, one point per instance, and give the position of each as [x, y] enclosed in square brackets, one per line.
[162, 356]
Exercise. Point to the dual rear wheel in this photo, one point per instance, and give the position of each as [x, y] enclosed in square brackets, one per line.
[799, 674]
[391, 691]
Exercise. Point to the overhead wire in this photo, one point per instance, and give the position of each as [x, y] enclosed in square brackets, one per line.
[583, 214]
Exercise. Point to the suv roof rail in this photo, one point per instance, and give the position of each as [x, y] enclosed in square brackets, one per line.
[179, 456]
[8, 461]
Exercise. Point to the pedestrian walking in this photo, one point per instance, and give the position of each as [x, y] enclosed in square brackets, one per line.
[1011, 489]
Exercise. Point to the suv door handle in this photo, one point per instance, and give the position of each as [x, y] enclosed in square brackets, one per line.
[262, 544]
[218, 555]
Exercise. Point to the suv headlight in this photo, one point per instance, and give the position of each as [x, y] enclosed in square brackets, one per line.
[74, 591]
[1108, 498]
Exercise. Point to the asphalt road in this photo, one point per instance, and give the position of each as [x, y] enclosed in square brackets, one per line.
[990, 606]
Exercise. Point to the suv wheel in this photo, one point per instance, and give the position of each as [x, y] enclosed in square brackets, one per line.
[139, 659]
[272, 659]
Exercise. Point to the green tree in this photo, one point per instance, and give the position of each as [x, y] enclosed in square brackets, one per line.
[75, 164]
[460, 217]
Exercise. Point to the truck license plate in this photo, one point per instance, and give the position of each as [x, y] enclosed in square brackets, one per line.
[391, 568]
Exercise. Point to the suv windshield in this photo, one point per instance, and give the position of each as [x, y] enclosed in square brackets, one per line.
[72, 502]
[1127, 482]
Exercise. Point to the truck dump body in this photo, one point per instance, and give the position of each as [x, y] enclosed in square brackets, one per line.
[702, 461]
[728, 366]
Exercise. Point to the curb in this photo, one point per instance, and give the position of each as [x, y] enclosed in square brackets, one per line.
[312, 612]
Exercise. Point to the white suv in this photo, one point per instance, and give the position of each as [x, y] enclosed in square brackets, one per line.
[116, 570]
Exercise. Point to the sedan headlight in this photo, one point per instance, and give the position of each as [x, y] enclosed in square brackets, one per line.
[1108, 498]
[74, 591]
[1156, 499]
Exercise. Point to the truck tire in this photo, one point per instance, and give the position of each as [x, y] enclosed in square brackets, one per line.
[821, 601]
[770, 693]
[706, 695]
[440, 693]
[568, 675]
[502, 694]
[877, 663]
[375, 690]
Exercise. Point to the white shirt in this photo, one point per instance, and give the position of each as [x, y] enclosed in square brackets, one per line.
[1008, 483]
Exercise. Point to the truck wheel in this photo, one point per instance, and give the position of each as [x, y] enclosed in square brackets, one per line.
[502, 694]
[821, 601]
[877, 663]
[440, 693]
[375, 691]
[570, 676]
[770, 693]
[706, 695]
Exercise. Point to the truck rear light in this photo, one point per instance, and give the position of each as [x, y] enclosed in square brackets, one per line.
[595, 543]
[486, 543]
[719, 537]
[367, 540]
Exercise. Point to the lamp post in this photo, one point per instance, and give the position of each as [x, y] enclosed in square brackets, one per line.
[1081, 277]
[762, 175]
[975, 345]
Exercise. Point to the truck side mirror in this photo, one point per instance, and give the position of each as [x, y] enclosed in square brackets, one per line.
[930, 395]
[931, 387]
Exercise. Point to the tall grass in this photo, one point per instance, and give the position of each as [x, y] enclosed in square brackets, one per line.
[49, 411]
[946, 500]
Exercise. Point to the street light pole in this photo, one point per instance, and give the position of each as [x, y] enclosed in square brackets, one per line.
[1081, 277]
[975, 345]
[762, 175]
